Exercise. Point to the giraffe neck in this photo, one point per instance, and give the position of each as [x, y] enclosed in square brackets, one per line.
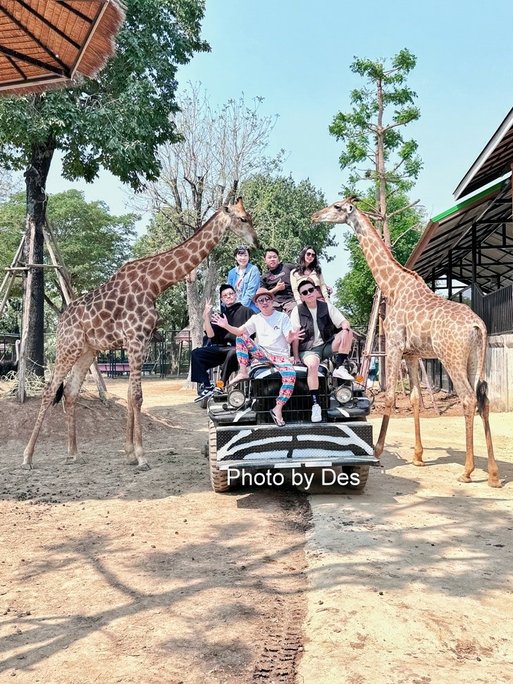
[387, 271]
[170, 267]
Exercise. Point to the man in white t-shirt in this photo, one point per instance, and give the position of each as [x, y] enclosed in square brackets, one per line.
[326, 332]
[274, 333]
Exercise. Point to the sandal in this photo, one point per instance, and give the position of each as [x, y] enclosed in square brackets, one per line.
[279, 422]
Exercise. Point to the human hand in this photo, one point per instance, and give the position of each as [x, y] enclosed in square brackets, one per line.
[208, 308]
[280, 285]
[296, 335]
[219, 319]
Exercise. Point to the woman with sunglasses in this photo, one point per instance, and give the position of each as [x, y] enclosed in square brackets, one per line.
[274, 334]
[309, 267]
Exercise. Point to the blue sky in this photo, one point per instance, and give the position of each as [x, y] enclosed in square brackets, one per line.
[296, 55]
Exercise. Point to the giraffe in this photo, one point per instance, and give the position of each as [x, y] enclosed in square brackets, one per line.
[121, 314]
[421, 324]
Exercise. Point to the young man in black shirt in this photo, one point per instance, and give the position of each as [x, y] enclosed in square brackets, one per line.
[277, 280]
[220, 348]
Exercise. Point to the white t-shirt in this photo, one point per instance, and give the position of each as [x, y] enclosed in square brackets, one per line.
[336, 316]
[270, 332]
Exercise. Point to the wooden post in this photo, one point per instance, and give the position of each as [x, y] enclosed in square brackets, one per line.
[68, 294]
[27, 294]
[10, 275]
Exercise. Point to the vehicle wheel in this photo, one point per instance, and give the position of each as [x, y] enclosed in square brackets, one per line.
[203, 403]
[218, 478]
[363, 474]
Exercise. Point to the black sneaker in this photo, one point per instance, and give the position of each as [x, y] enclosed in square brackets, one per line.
[205, 392]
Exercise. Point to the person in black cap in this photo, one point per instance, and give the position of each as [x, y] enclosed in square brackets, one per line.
[220, 348]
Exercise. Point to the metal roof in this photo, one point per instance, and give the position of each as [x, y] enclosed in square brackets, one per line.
[494, 161]
[446, 244]
[46, 43]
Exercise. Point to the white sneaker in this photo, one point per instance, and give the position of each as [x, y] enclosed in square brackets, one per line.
[316, 413]
[342, 374]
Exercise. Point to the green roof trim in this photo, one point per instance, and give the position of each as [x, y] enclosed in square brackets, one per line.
[468, 202]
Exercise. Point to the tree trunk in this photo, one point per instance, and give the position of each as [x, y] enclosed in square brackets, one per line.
[35, 179]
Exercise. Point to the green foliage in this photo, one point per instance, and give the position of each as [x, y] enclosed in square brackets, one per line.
[355, 290]
[118, 120]
[92, 242]
[281, 211]
[364, 130]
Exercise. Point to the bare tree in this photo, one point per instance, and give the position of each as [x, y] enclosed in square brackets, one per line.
[220, 148]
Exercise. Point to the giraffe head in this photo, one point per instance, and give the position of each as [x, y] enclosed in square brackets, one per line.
[241, 223]
[338, 212]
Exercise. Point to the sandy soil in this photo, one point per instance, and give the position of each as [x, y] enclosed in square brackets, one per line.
[108, 575]
[111, 575]
[412, 581]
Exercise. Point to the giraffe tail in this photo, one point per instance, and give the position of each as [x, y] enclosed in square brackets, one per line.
[482, 397]
[58, 394]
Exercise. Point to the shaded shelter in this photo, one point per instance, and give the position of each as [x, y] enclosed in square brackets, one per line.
[466, 253]
[47, 44]
[470, 246]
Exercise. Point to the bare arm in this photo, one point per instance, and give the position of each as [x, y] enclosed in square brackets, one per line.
[295, 350]
[206, 319]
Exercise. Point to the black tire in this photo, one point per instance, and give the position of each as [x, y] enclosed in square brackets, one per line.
[203, 403]
[363, 475]
[218, 478]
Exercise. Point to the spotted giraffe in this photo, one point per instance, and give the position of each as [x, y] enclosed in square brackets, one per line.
[420, 324]
[121, 314]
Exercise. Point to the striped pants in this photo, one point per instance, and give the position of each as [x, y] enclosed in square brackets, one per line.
[246, 347]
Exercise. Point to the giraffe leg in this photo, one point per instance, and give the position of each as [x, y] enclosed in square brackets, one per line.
[131, 459]
[415, 401]
[71, 390]
[493, 470]
[393, 361]
[63, 363]
[135, 356]
[469, 401]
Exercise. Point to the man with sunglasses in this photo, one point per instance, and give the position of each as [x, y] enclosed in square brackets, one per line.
[220, 347]
[274, 334]
[326, 332]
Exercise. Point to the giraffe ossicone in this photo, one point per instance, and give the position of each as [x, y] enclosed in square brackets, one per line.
[121, 313]
[421, 324]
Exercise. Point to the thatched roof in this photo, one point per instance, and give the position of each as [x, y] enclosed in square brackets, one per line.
[47, 43]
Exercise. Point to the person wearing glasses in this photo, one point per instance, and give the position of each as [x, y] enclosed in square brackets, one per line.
[308, 267]
[274, 334]
[220, 346]
[326, 333]
[277, 280]
[244, 277]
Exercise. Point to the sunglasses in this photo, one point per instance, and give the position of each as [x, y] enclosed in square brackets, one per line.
[307, 292]
[310, 254]
[263, 300]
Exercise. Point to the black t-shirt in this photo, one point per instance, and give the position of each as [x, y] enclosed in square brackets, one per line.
[236, 315]
[281, 272]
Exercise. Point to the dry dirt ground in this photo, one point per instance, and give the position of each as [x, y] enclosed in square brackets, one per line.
[110, 575]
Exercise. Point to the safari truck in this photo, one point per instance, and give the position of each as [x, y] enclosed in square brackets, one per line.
[246, 447]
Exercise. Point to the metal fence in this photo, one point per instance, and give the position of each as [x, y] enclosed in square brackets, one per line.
[169, 355]
[496, 309]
